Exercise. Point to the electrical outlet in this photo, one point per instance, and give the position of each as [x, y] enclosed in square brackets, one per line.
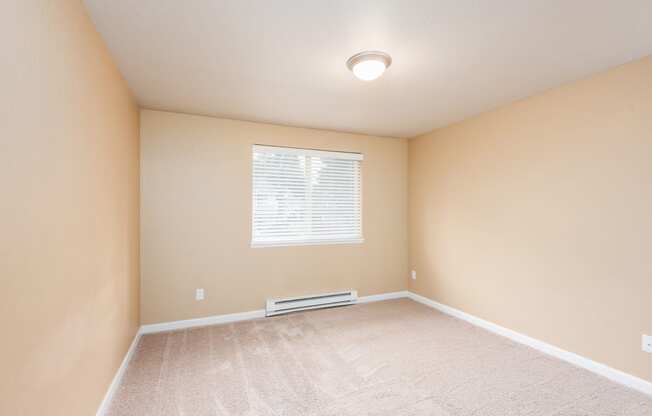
[414, 275]
[647, 343]
[199, 294]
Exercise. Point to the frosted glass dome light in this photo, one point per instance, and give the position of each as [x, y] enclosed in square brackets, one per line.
[369, 65]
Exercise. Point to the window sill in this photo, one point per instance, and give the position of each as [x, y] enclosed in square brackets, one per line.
[306, 243]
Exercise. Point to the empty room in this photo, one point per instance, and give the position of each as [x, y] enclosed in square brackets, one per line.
[326, 208]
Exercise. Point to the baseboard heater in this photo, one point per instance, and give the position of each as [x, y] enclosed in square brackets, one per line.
[324, 300]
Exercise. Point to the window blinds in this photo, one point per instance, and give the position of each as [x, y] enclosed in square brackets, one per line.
[303, 196]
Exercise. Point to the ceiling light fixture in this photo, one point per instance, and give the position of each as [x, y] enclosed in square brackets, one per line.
[369, 65]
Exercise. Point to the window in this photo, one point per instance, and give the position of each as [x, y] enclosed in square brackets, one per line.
[303, 196]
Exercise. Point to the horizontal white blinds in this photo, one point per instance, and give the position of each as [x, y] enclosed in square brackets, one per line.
[303, 196]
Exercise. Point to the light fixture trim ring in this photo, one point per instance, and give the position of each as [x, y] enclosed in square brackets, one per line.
[368, 56]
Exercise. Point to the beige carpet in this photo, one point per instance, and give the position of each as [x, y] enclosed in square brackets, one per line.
[386, 358]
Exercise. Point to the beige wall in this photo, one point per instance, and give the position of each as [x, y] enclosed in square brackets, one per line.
[538, 216]
[196, 219]
[68, 211]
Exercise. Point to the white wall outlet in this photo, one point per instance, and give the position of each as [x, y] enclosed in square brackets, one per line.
[413, 275]
[199, 294]
[647, 343]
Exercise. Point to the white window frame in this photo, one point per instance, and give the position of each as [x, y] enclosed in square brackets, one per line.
[306, 152]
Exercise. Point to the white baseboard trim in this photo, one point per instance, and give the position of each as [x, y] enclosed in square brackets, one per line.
[383, 296]
[209, 320]
[245, 316]
[113, 387]
[612, 374]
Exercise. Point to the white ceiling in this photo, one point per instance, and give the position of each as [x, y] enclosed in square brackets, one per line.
[283, 61]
